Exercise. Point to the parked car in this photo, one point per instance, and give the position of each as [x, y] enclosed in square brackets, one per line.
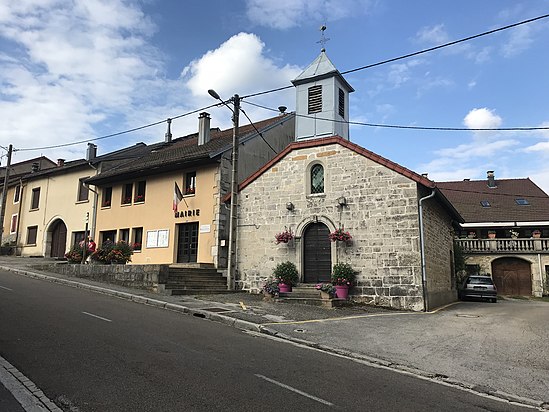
[478, 286]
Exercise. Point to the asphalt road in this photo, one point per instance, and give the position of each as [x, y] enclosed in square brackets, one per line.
[90, 352]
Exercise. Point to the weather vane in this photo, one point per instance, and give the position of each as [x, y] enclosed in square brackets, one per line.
[323, 40]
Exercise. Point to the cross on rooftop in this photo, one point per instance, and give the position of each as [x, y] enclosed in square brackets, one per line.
[323, 40]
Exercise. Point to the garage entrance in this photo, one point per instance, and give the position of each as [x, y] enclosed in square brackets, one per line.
[512, 276]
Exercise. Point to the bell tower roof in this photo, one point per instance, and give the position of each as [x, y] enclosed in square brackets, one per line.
[321, 68]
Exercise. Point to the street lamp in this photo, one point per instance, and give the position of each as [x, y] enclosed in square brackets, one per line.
[233, 217]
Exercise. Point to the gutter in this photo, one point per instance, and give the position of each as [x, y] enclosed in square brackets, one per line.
[422, 249]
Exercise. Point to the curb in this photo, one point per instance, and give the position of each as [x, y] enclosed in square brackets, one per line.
[258, 328]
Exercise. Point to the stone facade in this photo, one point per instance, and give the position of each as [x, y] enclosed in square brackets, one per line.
[539, 266]
[380, 212]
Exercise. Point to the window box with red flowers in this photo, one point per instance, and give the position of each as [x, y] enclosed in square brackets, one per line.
[340, 235]
[190, 191]
[139, 199]
[126, 200]
[284, 237]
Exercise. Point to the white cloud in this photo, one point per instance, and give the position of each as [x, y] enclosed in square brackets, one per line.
[71, 65]
[434, 35]
[477, 149]
[482, 119]
[520, 40]
[285, 14]
[222, 69]
[400, 73]
[79, 70]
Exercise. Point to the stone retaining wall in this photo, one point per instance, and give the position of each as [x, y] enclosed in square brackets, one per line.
[146, 277]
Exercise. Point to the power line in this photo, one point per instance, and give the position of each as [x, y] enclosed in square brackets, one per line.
[257, 131]
[114, 134]
[394, 59]
[395, 126]
[486, 33]
[345, 72]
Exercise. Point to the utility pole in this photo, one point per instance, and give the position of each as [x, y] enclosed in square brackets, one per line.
[85, 247]
[233, 222]
[5, 193]
[233, 217]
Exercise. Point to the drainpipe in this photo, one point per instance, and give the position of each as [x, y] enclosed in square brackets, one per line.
[422, 248]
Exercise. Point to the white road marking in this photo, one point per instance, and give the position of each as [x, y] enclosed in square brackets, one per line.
[314, 398]
[97, 317]
[3, 287]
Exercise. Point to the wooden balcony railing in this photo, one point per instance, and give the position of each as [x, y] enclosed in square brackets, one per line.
[504, 245]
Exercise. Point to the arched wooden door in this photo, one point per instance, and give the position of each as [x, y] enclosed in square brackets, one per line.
[317, 256]
[58, 239]
[512, 276]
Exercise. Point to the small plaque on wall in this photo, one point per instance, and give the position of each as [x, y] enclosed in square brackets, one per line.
[205, 228]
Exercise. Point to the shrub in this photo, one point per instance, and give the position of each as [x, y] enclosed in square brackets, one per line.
[286, 272]
[74, 255]
[343, 274]
[120, 252]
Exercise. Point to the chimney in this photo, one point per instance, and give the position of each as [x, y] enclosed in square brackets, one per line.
[60, 162]
[168, 135]
[91, 153]
[35, 167]
[203, 128]
[491, 179]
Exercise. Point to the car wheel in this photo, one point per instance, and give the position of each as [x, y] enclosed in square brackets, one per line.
[494, 300]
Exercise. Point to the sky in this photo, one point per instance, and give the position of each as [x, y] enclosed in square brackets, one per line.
[75, 70]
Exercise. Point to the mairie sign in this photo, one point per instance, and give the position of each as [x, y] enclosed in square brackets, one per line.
[188, 213]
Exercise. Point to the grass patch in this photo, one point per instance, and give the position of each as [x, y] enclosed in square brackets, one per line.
[542, 299]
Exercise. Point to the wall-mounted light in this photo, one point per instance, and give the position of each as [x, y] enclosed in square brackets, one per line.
[341, 201]
[290, 206]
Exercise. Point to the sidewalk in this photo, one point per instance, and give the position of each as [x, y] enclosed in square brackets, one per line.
[458, 345]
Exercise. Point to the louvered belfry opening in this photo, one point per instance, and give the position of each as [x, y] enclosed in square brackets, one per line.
[315, 99]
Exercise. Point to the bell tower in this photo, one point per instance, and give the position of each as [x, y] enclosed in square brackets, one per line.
[322, 100]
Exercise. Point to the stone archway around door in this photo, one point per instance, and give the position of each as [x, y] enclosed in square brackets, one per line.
[317, 253]
[58, 244]
[512, 276]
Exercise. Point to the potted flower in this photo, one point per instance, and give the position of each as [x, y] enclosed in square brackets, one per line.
[343, 276]
[491, 234]
[287, 276]
[327, 290]
[340, 235]
[536, 234]
[284, 237]
[271, 289]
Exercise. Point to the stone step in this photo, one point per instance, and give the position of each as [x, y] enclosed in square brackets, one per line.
[202, 285]
[327, 303]
[198, 291]
[177, 278]
[194, 272]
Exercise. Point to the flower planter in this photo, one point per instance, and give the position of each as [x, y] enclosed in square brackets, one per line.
[491, 235]
[342, 291]
[284, 288]
[325, 295]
